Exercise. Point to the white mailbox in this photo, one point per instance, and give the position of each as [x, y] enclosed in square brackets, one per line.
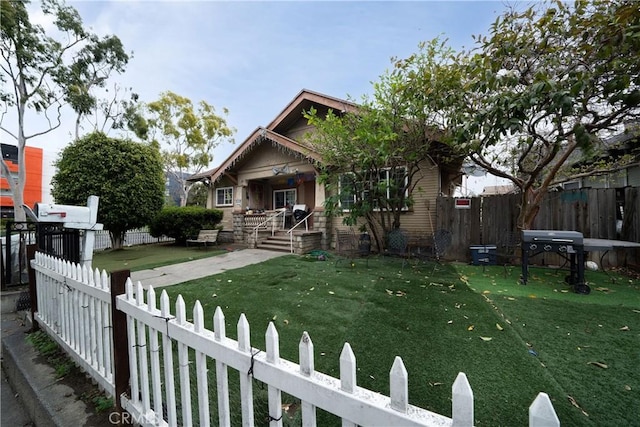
[46, 212]
[82, 217]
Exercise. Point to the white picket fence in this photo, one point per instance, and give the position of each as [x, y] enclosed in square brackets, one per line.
[73, 307]
[138, 236]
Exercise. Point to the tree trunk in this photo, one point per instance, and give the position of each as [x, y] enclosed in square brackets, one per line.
[117, 239]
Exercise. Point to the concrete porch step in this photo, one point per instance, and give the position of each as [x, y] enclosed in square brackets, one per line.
[278, 242]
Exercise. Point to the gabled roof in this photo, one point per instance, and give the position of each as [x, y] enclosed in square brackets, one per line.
[291, 113]
[258, 136]
[303, 102]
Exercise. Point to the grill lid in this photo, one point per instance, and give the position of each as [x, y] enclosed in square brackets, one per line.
[552, 236]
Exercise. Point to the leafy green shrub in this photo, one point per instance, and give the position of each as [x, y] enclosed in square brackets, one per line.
[182, 223]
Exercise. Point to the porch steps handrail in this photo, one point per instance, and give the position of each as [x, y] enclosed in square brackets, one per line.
[269, 218]
[290, 231]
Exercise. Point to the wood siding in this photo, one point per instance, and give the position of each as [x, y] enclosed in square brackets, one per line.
[421, 218]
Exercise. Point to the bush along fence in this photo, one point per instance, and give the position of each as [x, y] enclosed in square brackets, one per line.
[130, 346]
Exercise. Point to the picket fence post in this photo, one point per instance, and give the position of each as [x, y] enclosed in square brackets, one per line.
[541, 412]
[183, 366]
[222, 375]
[307, 367]
[273, 357]
[246, 380]
[167, 357]
[201, 368]
[462, 402]
[348, 380]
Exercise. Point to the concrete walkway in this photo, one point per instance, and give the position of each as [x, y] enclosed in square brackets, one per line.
[183, 272]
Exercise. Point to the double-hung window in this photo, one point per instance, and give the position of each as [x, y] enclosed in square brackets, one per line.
[386, 183]
[284, 198]
[224, 196]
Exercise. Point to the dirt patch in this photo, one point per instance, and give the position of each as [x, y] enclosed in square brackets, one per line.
[99, 406]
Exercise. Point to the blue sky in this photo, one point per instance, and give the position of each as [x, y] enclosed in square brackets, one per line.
[254, 57]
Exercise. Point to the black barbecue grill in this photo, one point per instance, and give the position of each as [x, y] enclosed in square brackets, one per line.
[568, 244]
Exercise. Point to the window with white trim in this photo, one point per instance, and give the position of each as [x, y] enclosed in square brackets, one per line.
[386, 181]
[224, 196]
[284, 198]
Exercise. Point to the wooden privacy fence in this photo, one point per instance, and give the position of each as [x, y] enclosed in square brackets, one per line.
[597, 213]
[73, 307]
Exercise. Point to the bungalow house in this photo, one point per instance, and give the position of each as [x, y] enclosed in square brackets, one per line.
[269, 191]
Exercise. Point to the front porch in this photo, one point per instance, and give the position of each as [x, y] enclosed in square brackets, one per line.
[271, 230]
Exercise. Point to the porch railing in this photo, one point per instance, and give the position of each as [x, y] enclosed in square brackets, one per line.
[305, 220]
[271, 218]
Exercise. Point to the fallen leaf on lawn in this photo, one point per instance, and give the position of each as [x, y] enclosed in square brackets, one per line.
[457, 305]
[486, 292]
[508, 321]
[312, 288]
[470, 328]
[574, 403]
[500, 328]
[434, 384]
[564, 291]
[511, 298]
[331, 293]
[627, 387]
[601, 289]
[636, 311]
[389, 291]
[400, 293]
[214, 295]
[274, 317]
[450, 322]
[229, 281]
[285, 321]
[486, 338]
[532, 296]
[598, 364]
[464, 279]
[624, 328]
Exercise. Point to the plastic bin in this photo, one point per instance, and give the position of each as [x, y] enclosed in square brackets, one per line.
[483, 254]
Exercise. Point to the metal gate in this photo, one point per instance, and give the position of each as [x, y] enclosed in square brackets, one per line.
[52, 239]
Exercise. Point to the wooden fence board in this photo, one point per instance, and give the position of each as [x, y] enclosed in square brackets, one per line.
[591, 211]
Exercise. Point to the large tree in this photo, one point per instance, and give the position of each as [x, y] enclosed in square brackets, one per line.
[373, 156]
[41, 72]
[186, 134]
[127, 176]
[545, 87]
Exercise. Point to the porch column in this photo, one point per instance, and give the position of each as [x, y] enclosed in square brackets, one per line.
[240, 198]
[320, 195]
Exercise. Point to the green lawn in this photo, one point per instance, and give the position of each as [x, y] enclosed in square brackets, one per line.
[145, 257]
[512, 341]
